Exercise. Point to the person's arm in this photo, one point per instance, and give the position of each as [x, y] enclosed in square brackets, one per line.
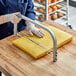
[31, 14]
[30, 10]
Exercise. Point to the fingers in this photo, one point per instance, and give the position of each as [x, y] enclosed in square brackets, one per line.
[30, 32]
[38, 33]
[41, 33]
[33, 30]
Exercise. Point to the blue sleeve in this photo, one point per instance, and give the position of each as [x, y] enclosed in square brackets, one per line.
[2, 4]
[30, 10]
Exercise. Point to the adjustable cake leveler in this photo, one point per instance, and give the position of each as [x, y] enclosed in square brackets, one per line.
[45, 28]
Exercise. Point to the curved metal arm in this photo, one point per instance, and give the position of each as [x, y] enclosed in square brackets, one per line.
[47, 29]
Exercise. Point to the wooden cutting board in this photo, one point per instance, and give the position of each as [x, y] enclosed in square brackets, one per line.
[15, 62]
[35, 50]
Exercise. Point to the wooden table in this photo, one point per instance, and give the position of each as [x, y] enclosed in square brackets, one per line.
[14, 62]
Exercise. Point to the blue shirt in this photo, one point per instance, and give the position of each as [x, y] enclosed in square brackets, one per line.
[26, 7]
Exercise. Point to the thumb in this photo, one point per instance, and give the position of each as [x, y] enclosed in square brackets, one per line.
[30, 32]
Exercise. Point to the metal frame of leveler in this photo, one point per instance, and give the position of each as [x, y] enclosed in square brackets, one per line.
[45, 28]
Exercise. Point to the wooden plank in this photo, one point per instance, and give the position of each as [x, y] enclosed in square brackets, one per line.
[4, 71]
[18, 63]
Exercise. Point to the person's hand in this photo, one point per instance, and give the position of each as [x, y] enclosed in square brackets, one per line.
[13, 18]
[33, 30]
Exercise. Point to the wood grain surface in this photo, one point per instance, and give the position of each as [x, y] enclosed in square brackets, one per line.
[18, 63]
